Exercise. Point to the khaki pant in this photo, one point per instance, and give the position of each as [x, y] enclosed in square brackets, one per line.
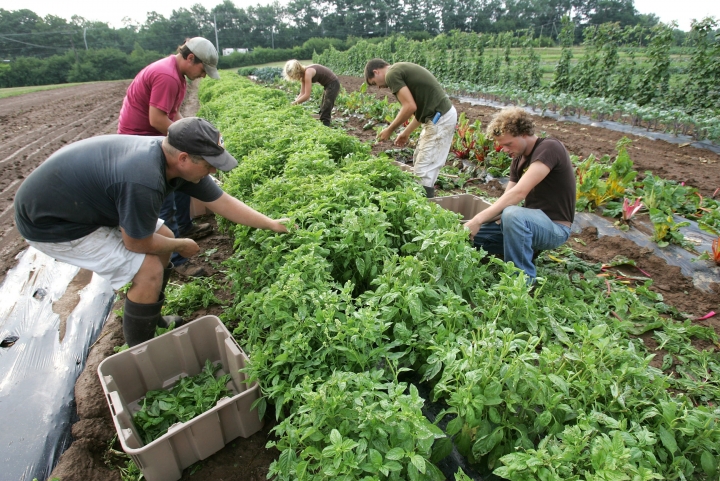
[433, 147]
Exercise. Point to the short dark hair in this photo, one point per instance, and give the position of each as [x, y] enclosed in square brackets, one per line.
[374, 64]
[185, 51]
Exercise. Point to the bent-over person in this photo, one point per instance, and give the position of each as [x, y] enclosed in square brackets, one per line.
[95, 204]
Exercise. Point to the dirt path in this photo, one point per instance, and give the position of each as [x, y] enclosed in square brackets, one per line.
[37, 124]
[33, 126]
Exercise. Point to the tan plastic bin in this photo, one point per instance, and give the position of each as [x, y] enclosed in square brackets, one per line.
[403, 166]
[466, 205]
[158, 364]
[198, 208]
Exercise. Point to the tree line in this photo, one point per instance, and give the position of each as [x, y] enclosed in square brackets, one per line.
[23, 33]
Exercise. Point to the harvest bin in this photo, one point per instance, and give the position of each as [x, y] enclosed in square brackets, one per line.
[158, 364]
[466, 205]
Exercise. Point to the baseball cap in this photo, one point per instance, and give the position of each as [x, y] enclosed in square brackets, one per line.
[197, 136]
[203, 49]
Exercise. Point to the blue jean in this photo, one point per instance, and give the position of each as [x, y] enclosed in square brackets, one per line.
[175, 211]
[521, 232]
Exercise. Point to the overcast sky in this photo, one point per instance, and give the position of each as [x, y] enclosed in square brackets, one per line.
[113, 11]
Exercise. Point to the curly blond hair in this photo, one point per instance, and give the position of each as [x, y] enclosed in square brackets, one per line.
[513, 121]
[293, 70]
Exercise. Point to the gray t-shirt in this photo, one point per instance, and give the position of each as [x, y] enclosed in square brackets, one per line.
[109, 180]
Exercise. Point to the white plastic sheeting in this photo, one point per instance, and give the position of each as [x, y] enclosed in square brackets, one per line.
[605, 124]
[38, 372]
[703, 273]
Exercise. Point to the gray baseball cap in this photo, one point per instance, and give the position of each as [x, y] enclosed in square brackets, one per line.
[203, 49]
[197, 136]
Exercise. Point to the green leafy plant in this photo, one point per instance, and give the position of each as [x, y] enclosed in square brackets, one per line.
[186, 298]
[356, 426]
[190, 397]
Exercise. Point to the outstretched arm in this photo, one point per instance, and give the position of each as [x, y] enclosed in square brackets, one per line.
[236, 211]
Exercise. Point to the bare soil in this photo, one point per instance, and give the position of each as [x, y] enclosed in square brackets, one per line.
[34, 125]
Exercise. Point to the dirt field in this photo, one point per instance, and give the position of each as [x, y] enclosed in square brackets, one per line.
[35, 125]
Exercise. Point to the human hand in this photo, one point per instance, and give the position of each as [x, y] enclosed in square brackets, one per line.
[473, 227]
[402, 139]
[187, 247]
[385, 134]
[278, 226]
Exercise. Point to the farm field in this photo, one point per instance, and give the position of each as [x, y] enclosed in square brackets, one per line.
[29, 136]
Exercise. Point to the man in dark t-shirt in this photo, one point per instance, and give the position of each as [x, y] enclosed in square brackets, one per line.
[421, 95]
[95, 204]
[542, 175]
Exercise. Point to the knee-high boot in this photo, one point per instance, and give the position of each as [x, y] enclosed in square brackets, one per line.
[140, 320]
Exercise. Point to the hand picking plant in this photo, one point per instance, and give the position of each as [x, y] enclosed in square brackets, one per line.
[190, 397]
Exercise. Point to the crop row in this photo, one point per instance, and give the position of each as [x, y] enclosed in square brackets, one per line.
[375, 287]
[601, 83]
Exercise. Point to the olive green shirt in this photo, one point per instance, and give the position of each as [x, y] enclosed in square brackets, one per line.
[427, 92]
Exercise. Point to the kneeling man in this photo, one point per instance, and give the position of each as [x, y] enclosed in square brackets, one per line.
[95, 204]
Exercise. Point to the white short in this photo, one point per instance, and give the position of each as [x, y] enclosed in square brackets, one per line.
[433, 147]
[102, 252]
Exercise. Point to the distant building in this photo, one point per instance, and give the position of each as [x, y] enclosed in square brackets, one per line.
[228, 51]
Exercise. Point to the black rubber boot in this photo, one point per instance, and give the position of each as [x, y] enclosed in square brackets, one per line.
[429, 192]
[165, 321]
[140, 320]
[166, 276]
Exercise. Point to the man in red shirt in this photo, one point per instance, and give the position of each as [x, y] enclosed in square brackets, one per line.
[151, 104]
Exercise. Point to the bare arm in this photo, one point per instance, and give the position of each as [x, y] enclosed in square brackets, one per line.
[158, 245]
[159, 120]
[306, 88]
[404, 136]
[236, 211]
[514, 194]
[408, 107]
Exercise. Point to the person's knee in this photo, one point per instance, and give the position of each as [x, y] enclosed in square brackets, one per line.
[166, 232]
[511, 214]
[151, 272]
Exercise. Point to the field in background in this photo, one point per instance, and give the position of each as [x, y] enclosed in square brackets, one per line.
[13, 91]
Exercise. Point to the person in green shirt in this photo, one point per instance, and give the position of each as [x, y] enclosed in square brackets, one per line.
[421, 95]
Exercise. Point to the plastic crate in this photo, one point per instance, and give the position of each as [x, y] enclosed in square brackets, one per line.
[466, 205]
[158, 364]
[198, 208]
[403, 166]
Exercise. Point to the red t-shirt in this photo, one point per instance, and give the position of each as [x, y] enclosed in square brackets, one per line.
[161, 85]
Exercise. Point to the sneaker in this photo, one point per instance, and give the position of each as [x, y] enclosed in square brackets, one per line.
[188, 269]
[197, 231]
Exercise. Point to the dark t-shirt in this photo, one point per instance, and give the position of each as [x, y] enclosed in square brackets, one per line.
[323, 75]
[555, 194]
[110, 180]
[427, 92]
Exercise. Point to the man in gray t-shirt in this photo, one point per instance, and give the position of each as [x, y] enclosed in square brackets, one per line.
[95, 203]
